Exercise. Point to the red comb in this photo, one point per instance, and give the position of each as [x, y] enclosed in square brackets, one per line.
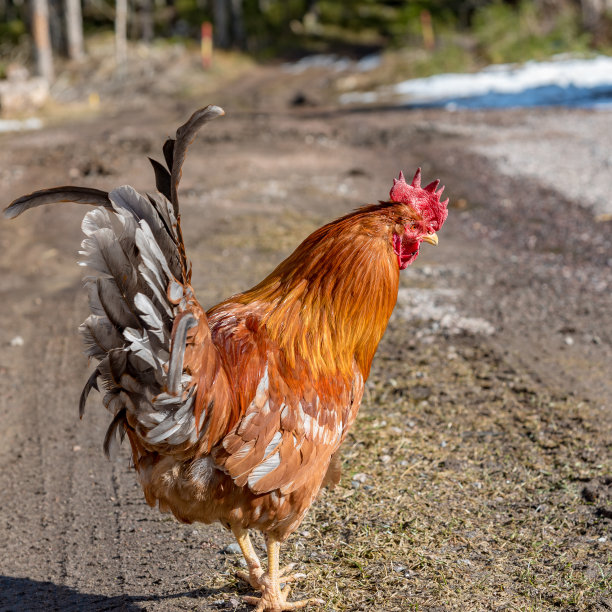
[426, 200]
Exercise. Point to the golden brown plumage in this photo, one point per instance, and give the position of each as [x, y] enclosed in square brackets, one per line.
[237, 414]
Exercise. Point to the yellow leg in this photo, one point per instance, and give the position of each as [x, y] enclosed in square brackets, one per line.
[255, 572]
[273, 598]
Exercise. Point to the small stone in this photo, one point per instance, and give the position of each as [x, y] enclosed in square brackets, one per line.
[385, 458]
[569, 340]
[360, 477]
[17, 341]
[232, 549]
[76, 448]
[589, 493]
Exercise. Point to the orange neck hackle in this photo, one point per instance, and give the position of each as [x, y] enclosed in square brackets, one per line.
[328, 304]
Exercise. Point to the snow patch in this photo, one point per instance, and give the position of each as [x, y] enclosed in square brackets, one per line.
[16, 125]
[566, 82]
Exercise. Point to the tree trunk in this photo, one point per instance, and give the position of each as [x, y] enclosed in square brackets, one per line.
[592, 12]
[74, 29]
[121, 34]
[238, 24]
[221, 30]
[42, 39]
[594, 18]
[146, 20]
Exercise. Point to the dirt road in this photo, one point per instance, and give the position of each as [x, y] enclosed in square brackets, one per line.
[483, 450]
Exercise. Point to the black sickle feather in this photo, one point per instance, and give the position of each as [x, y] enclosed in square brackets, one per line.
[168, 150]
[92, 383]
[109, 438]
[184, 137]
[162, 178]
[68, 193]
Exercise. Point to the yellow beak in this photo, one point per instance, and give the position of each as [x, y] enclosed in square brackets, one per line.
[431, 238]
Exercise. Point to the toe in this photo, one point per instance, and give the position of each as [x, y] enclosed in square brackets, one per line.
[251, 578]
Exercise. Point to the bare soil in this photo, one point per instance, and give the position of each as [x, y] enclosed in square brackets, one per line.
[479, 473]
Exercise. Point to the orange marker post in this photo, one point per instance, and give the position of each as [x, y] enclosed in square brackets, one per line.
[427, 29]
[207, 45]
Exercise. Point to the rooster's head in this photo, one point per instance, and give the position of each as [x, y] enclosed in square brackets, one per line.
[424, 216]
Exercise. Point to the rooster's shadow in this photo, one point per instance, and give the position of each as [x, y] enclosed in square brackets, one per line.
[24, 594]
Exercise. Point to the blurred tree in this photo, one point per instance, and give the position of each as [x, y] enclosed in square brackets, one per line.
[42, 39]
[121, 9]
[486, 30]
[146, 20]
[221, 31]
[74, 29]
[238, 32]
[595, 14]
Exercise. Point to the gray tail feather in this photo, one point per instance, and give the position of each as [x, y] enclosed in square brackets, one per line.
[138, 294]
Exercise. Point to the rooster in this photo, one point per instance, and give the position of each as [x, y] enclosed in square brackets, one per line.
[236, 414]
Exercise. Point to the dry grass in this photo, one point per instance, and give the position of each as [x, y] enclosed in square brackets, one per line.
[471, 494]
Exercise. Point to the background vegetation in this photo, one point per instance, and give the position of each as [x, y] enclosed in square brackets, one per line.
[452, 35]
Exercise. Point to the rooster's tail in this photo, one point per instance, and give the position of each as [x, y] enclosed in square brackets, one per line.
[140, 300]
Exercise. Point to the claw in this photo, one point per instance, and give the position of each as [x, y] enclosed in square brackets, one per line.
[253, 581]
[281, 606]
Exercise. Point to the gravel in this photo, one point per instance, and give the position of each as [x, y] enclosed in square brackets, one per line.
[565, 150]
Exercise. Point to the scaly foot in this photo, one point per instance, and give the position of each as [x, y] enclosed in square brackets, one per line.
[284, 576]
[274, 599]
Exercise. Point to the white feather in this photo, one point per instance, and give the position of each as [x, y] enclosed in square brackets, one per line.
[264, 468]
[150, 315]
[278, 436]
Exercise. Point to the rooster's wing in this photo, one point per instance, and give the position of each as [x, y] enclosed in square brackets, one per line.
[291, 427]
